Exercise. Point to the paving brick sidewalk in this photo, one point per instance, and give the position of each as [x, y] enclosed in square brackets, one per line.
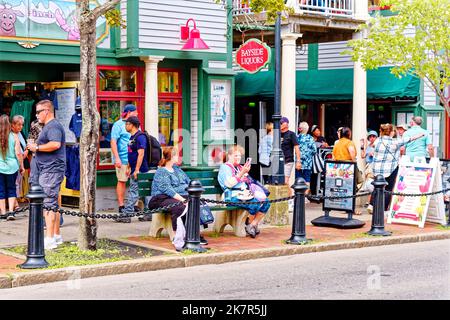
[15, 233]
[275, 236]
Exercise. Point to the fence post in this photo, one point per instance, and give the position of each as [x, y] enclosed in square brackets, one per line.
[195, 191]
[378, 209]
[298, 221]
[35, 251]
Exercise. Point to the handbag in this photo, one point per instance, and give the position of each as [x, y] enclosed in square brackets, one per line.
[206, 216]
[258, 190]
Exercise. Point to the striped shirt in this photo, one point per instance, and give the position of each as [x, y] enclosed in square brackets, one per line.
[387, 155]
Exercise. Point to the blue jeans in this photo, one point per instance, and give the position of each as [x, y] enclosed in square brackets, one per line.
[253, 208]
[303, 173]
[8, 186]
[133, 196]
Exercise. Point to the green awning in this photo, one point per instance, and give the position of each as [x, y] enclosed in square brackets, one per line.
[335, 84]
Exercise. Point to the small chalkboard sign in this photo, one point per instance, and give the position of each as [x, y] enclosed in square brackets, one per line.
[339, 181]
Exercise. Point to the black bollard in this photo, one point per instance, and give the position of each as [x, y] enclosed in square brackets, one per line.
[447, 209]
[195, 191]
[298, 223]
[378, 208]
[35, 252]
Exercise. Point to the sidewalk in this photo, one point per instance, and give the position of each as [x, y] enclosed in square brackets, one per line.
[223, 248]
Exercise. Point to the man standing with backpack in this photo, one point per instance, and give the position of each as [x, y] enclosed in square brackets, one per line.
[137, 162]
[119, 147]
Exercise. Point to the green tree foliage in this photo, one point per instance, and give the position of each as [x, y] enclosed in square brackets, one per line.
[426, 54]
[271, 7]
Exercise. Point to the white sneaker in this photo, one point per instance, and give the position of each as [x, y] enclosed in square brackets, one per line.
[291, 205]
[58, 239]
[49, 243]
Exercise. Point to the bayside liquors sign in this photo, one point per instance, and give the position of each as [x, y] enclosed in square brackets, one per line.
[253, 55]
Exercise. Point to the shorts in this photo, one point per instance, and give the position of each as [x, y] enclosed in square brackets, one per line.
[51, 184]
[288, 169]
[8, 185]
[303, 173]
[121, 173]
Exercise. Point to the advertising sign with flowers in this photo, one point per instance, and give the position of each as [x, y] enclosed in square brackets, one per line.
[413, 178]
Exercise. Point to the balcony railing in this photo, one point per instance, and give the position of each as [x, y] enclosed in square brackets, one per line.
[343, 8]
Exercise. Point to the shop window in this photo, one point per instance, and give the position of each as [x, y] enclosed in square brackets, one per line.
[123, 80]
[434, 129]
[404, 117]
[168, 82]
[110, 111]
[169, 121]
[170, 108]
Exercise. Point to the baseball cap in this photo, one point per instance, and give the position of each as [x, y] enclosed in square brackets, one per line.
[134, 121]
[372, 133]
[314, 127]
[284, 120]
[78, 103]
[129, 108]
[404, 126]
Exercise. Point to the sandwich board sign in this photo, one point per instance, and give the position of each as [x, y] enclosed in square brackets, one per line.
[416, 177]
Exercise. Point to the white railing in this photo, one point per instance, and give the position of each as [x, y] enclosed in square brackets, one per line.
[343, 8]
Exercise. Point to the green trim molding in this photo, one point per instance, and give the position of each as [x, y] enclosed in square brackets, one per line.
[313, 56]
[133, 24]
[172, 54]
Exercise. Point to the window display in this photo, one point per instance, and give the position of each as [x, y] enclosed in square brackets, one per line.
[117, 80]
[110, 111]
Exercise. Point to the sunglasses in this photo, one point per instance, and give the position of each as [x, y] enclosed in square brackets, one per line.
[39, 111]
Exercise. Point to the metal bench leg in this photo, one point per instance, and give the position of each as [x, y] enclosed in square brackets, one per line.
[161, 221]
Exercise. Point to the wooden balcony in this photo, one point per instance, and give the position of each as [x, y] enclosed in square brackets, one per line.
[317, 20]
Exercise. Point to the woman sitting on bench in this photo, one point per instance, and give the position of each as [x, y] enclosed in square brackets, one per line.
[233, 178]
[169, 186]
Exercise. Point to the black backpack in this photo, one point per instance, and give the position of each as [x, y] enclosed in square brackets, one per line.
[153, 152]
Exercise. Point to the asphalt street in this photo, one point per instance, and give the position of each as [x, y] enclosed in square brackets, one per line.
[406, 271]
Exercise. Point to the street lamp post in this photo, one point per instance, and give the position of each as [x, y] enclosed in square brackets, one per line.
[277, 156]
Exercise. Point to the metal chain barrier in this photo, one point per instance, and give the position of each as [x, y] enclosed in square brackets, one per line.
[117, 216]
[417, 194]
[338, 197]
[147, 211]
[245, 202]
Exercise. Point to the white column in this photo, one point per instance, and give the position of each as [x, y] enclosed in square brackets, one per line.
[361, 10]
[288, 78]
[359, 111]
[151, 94]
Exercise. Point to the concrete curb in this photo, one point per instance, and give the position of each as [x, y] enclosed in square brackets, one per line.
[182, 261]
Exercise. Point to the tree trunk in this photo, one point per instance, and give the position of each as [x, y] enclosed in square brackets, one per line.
[87, 234]
[87, 238]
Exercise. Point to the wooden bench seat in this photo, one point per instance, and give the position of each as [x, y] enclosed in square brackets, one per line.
[224, 215]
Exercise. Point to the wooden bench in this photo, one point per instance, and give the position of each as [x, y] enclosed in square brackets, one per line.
[224, 215]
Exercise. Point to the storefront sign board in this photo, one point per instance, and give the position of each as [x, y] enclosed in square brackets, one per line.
[53, 21]
[253, 55]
